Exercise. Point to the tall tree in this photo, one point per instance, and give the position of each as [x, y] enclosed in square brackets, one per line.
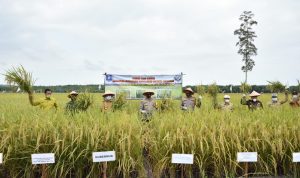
[246, 37]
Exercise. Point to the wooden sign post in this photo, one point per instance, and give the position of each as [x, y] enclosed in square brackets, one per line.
[43, 159]
[103, 158]
[246, 158]
[182, 159]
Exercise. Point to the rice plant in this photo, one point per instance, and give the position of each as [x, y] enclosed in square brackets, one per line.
[213, 137]
[20, 77]
[84, 101]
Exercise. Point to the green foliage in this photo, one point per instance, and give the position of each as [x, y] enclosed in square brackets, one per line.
[213, 137]
[246, 37]
[245, 88]
[20, 77]
[213, 91]
[165, 104]
[200, 89]
[276, 86]
[84, 101]
[119, 102]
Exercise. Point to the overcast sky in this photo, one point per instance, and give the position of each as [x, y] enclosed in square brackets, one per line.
[75, 42]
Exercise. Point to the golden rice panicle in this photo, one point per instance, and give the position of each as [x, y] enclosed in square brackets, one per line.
[20, 77]
[84, 101]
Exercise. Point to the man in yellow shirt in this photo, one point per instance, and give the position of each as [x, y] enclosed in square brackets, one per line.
[45, 103]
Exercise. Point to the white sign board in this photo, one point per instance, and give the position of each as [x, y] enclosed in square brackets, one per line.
[182, 158]
[296, 157]
[44, 158]
[104, 156]
[1, 158]
[247, 157]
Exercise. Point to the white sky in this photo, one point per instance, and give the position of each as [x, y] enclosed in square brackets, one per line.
[75, 42]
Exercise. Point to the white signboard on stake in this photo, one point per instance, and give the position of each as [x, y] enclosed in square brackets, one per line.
[182, 158]
[1, 158]
[247, 157]
[296, 157]
[104, 156]
[43, 158]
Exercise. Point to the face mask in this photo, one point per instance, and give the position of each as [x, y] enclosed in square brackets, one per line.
[254, 100]
[295, 97]
[108, 97]
[274, 99]
[227, 100]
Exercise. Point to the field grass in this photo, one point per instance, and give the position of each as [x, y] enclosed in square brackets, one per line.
[214, 137]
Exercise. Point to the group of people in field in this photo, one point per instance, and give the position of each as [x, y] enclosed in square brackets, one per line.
[148, 104]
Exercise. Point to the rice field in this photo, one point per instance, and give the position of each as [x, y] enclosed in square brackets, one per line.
[214, 137]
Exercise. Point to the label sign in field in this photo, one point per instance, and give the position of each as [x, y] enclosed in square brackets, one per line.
[104, 156]
[182, 158]
[44, 158]
[247, 157]
[296, 157]
[1, 158]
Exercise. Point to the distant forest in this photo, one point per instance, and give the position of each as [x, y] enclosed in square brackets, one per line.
[59, 88]
[100, 88]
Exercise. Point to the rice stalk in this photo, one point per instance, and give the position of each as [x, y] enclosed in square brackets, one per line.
[20, 77]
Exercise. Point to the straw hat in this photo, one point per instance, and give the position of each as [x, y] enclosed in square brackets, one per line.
[108, 93]
[254, 93]
[226, 97]
[189, 90]
[72, 93]
[148, 91]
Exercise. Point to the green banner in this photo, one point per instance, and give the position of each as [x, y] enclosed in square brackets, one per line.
[133, 86]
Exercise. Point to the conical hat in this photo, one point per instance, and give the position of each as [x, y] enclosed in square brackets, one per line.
[254, 93]
[189, 90]
[148, 91]
[108, 93]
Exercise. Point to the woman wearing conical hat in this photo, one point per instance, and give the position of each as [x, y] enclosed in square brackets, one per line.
[108, 99]
[253, 103]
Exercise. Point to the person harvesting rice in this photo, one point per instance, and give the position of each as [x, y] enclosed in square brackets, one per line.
[24, 80]
[226, 105]
[253, 103]
[78, 102]
[108, 100]
[71, 106]
[148, 104]
[275, 102]
[295, 102]
[189, 102]
[47, 102]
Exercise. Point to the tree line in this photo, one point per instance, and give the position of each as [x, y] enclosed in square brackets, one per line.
[100, 88]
